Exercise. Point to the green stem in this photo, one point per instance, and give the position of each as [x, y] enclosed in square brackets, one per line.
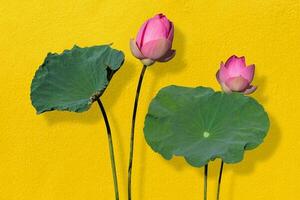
[205, 181]
[220, 179]
[111, 149]
[132, 129]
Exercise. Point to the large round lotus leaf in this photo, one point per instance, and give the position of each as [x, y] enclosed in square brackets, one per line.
[74, 79]
[202, 125]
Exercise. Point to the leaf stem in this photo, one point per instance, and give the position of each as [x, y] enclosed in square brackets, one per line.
[205, 181]
[220, 179]
[132, 129]
[111, 149]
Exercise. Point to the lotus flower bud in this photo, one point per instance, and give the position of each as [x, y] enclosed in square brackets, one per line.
[154, 41]
[236, 76]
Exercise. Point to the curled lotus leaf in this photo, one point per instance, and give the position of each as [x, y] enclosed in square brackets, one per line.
[74, 79]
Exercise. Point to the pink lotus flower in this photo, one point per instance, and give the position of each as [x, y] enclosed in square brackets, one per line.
[236, 76]
[154, 41]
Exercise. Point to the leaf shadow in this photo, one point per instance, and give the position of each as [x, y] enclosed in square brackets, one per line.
[159, 71]
[55, 117]
[263, 153]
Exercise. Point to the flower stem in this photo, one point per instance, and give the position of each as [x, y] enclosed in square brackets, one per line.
[111, 149]
[220, 179]
[132, 129]
[205, 181]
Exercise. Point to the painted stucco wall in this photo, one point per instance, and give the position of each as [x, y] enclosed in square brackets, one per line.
[64, 156]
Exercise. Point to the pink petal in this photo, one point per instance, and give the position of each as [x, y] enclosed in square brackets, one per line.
[248, 72]
[250, 89]
[237, 84]
[168, 56]
[156, 49]
[223, 85]
[225, 88]
[155, 30]
[236, 60]
[140, 35]
[168, 25]
[235, 65]
[165, 21]
[223, 74]
[135, 50]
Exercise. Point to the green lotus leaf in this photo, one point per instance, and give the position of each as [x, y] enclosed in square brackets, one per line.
[202, 125]
[73, 80]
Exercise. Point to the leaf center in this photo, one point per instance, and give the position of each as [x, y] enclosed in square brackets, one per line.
[206, 134]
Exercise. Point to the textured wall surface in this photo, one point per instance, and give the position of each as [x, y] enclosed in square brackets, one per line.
[64, 156]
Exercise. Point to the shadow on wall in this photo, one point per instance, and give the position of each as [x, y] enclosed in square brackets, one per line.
[252, 158]
[259, 94]
[159, 70]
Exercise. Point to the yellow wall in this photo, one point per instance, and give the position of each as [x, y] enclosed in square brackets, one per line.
[64, 156]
